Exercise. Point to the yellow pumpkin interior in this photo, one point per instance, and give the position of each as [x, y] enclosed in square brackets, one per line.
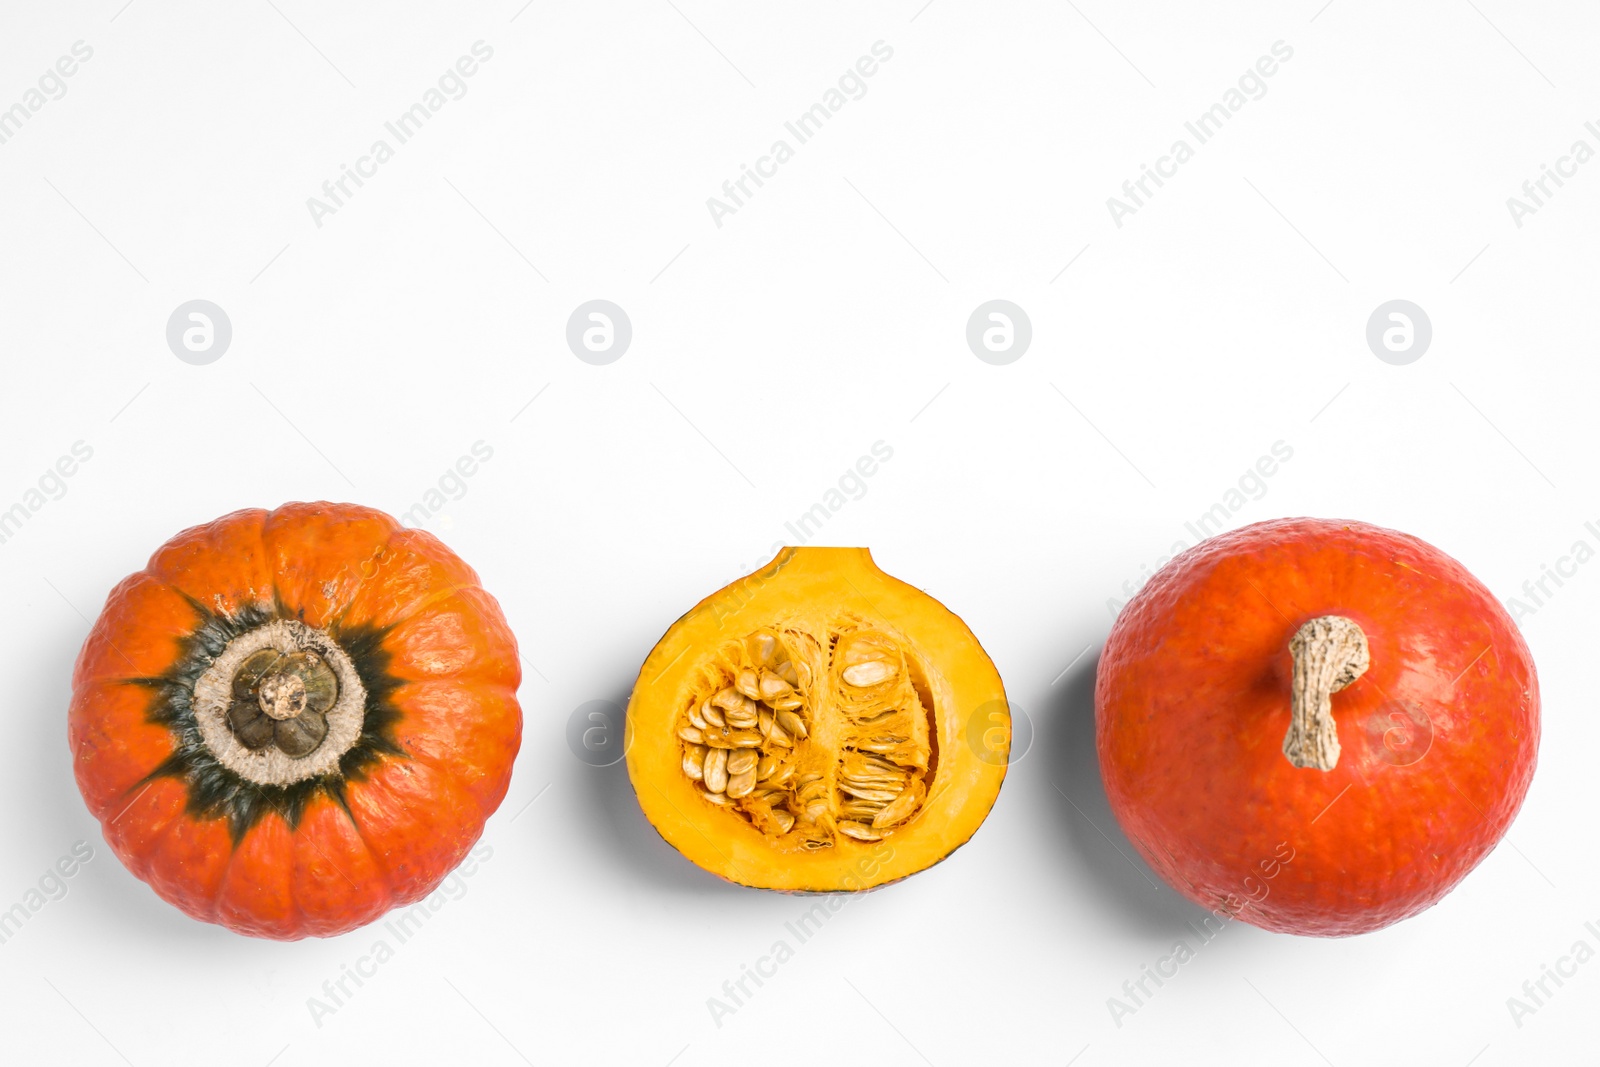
[807, 727]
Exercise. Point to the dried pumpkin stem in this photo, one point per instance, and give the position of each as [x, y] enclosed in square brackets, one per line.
[281, 703]
[1329, 652]
[283, 696]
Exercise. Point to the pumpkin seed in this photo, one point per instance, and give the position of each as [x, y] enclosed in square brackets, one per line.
[716, 770]
[694, 759]
[744, 744]
[865, 793]
[763, 647]
[716, 798]
[874, 672]
[792, 725]
[733, 739]
[900, 808]
[772, 687]
[730, 699]
[860, 809]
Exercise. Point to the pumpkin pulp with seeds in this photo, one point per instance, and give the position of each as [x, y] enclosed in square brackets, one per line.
[812, 715]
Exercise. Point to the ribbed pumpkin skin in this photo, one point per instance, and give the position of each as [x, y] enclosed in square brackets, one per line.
[441, 727]
[1439, 738]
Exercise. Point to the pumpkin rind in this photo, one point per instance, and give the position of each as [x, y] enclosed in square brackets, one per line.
[440, 725]
[803, 587]
[1439, 737]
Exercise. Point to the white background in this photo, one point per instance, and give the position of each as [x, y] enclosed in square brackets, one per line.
[828, 313]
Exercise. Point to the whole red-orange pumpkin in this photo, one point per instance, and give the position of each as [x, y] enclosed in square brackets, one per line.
[1318, 727]
[292, 721]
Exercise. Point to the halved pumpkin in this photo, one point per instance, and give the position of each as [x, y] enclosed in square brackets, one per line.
[818, 726]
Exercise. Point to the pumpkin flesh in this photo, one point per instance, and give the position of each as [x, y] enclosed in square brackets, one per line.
[843, 697]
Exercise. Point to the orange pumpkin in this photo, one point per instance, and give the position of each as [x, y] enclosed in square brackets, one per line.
[1264, 674]
[292, 721]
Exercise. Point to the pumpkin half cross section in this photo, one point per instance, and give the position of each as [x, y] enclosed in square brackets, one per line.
[805, 728]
